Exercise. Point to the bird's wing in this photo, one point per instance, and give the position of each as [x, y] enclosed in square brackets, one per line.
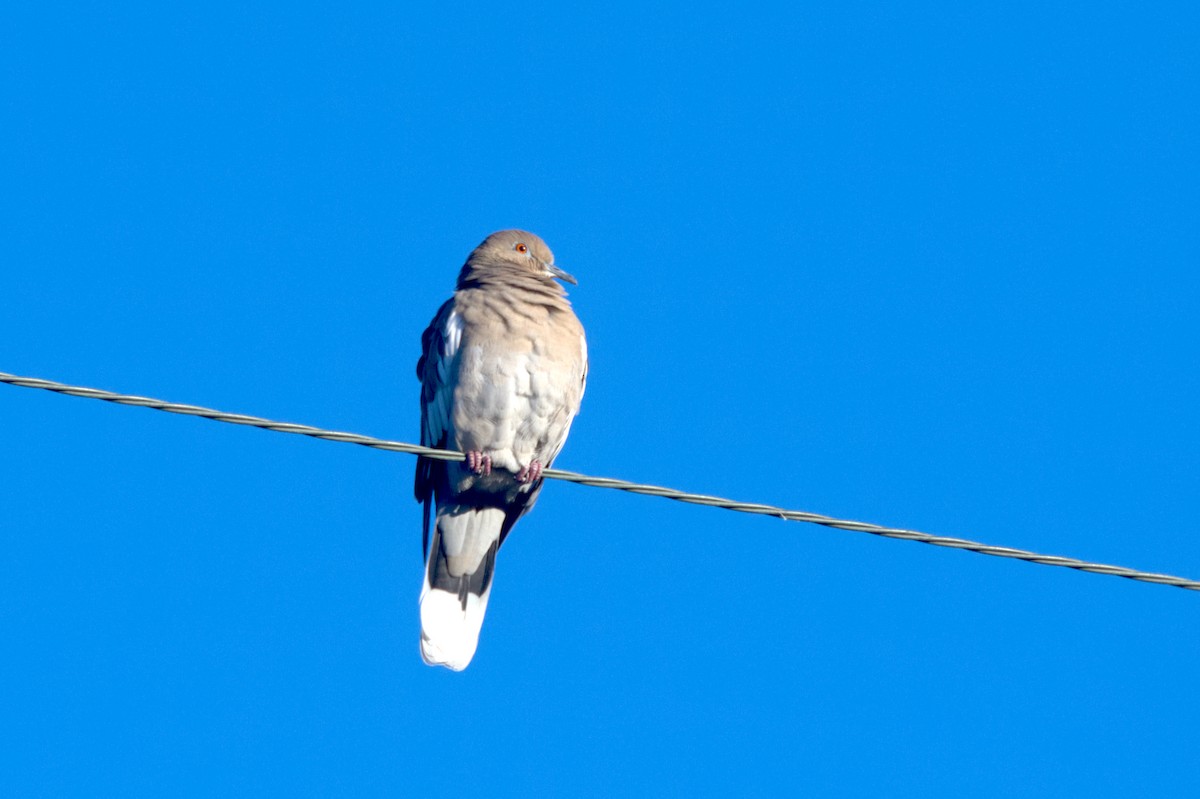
[440, 344]
[570, 344]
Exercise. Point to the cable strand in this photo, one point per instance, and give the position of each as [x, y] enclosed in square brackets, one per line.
[610, 482]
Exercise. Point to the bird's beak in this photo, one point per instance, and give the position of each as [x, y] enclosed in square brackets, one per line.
[561, 275]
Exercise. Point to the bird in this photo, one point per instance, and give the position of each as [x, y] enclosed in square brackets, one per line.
[503, 368]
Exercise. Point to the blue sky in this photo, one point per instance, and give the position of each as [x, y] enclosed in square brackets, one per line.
[931, 266]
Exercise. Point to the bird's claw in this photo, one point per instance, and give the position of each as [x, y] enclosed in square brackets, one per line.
[530, 473]
[479, 463]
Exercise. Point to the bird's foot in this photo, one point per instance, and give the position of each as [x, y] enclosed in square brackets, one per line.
[530, 473]
[478, 462]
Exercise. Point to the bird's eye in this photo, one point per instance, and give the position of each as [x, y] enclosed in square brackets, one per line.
[521, 248]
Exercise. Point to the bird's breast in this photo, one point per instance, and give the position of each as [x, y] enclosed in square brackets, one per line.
[515, 398]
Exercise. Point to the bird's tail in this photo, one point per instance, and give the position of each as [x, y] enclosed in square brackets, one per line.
[458, 580]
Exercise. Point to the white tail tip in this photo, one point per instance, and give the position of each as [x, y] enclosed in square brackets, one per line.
[450, 634]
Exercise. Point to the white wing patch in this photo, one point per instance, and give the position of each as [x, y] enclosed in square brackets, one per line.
[452, 334]
[583, 361]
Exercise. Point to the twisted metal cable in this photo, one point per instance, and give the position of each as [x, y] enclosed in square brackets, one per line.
[609, 482]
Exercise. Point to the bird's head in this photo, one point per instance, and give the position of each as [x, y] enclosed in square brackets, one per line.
[520, 249]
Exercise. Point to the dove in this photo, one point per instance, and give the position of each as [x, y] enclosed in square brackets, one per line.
[503, 367]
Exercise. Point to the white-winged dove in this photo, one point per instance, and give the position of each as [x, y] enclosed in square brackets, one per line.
[502, 369]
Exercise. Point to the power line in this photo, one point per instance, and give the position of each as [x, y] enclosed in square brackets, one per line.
[609, 482]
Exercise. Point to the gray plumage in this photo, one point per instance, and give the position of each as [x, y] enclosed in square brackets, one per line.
[502, 370]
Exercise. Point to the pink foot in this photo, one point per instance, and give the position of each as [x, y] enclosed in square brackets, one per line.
[479, 463]
[530, 473]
